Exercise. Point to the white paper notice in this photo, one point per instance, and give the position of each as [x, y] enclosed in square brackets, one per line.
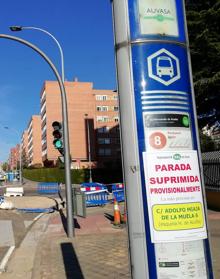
[181, 260]
[174, 194]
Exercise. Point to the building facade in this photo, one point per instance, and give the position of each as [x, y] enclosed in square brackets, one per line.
[93, 124]
[34, 157]
[93, 121]
[13, 160]
[24, 148]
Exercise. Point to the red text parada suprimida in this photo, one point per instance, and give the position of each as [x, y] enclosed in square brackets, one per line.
[172, 167]
[174, 179]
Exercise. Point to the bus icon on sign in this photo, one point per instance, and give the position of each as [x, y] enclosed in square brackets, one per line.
[163, 67]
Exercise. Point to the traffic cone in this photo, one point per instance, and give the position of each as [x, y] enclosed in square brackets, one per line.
[117, 217]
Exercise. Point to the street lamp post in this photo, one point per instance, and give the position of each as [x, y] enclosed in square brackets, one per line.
[68, 188]
[20, 154]
[89, 147]
[20, 28]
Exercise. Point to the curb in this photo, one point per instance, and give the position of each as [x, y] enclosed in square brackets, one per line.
[14, 266]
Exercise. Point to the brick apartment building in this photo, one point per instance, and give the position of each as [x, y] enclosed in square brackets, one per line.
[34, 141]
[13, 160]
[92, 117]
[24, 146]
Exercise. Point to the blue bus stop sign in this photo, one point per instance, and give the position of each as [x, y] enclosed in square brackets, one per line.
[157, 100]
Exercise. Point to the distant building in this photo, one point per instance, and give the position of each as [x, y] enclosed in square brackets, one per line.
[13, 161]
[34, 141]
[24, 148]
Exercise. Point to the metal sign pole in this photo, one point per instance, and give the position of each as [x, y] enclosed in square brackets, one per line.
[161, 157]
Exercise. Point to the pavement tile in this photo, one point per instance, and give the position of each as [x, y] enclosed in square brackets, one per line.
[98, 250]
[88, 255]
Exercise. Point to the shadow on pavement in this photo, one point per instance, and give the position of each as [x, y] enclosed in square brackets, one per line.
[109, 216]
[64, 221]
[71, 264]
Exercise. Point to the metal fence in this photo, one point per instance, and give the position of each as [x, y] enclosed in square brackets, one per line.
[211, 172]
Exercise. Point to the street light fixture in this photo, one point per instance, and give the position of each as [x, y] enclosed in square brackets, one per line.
[20, 153]
[89, 147]
[68, 188]
[16, 28]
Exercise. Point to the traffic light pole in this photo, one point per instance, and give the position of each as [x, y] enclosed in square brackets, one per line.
[69, 200]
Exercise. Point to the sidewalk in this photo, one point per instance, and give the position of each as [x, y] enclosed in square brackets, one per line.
[97, 251]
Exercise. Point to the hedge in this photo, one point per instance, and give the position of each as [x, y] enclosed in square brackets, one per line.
[77, 176]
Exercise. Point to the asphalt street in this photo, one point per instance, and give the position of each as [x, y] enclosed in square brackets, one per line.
[13, 227]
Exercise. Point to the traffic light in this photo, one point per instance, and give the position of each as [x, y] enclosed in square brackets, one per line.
[57, 135]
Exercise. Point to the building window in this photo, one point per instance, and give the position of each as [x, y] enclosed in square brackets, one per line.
[101, 118]
[103, 130]
[104, 151]
[104, 140]
[102, 108]
[116, 108]
[101, 97]
[116, 119]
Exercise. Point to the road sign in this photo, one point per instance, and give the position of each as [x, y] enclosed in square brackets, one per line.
[164, 67]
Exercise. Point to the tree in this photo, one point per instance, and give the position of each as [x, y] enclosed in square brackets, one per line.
[5, 166]
[203, 19]
[24, 159]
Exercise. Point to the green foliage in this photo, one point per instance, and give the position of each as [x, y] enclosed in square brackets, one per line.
[5, 166]
[77, 176]
[53, 175]
[207, 144]
[203, 19]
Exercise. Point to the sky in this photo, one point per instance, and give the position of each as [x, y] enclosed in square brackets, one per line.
[83, 28]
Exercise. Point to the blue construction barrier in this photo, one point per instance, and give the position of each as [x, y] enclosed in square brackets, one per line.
[10, 176]
[37, 210]
[48, 188]
[115, 186]
[98, 198]
[119, 195]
